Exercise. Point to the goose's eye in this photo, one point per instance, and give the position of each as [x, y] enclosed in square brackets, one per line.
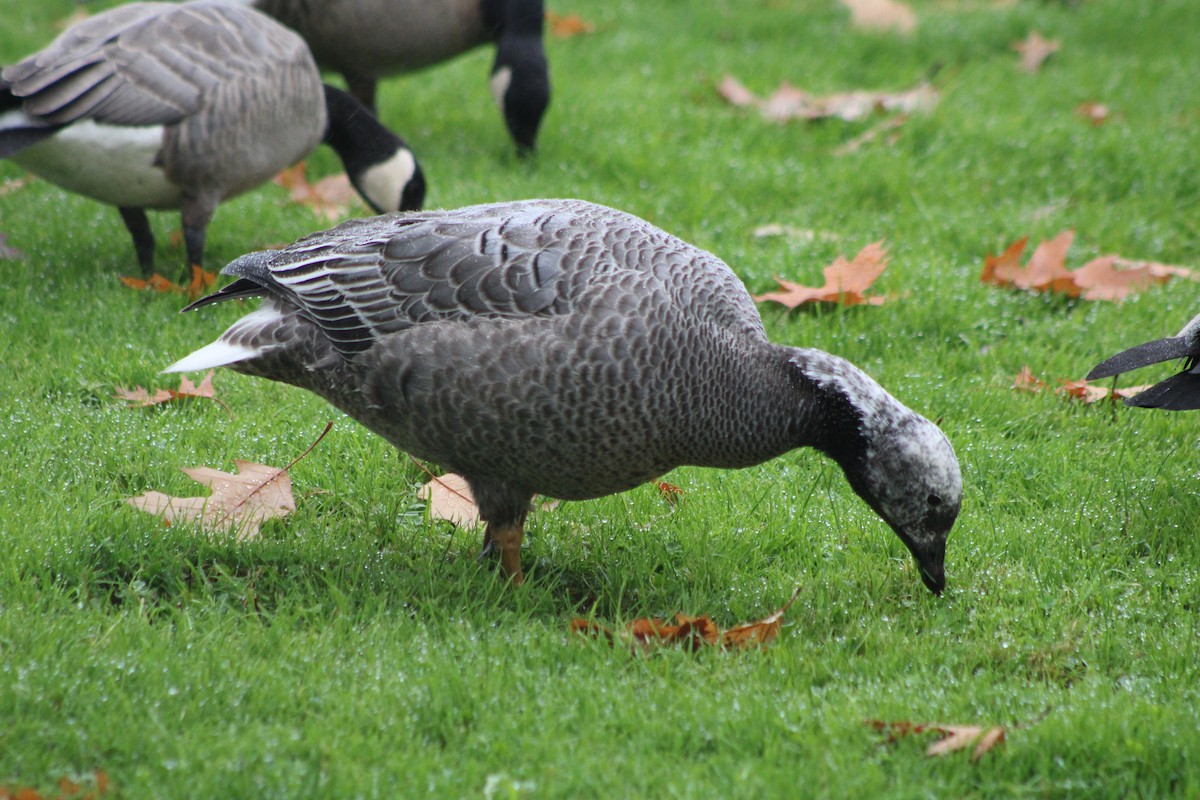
[934, 500]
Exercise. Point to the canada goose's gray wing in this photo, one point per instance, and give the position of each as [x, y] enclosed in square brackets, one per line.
[144, 63]
[369, 278]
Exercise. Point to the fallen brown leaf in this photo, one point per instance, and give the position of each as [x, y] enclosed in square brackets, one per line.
[564, 26]
[155, 283]
[1105, 278]
[10, 185]
[449, 498]
[955, 737]
[845, 282]
[788, 102]
[759, 633]
[881, 15]
[239, 501]
[1034, 49]
[692, 633]
[67, 790]
[329, 198]
[1088, 392]
[890, 126]
[1093, 112]
[669, 492]
[140, 398]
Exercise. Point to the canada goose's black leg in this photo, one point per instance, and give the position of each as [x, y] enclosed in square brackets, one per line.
[363, 90]
[143, 238]
[195, 214]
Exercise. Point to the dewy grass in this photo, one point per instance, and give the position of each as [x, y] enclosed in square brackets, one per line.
[358, 650]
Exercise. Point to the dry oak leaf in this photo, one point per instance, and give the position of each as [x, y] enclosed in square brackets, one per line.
[67, 790]
[1093, 112]
[10, 185]
[140, 398]
[1034, 49]
[845, 282]
[693, 633]
[329, 198]
[955, 737]
[1104, 278]
[1088, 392]
[450, 498]
[564, 26]
[241, 501]
[881, 15]
[788, 102]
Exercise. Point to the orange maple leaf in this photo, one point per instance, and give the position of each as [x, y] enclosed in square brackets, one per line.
[1104, 278]
[845, 282]
[564, 26]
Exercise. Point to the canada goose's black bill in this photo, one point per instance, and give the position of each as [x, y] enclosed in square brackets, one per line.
[931, 563]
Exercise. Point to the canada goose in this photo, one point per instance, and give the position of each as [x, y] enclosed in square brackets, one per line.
[1180, 392]
[365, 40]
[567, 349]
[164, 106]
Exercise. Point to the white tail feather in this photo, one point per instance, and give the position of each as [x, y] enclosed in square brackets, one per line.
[218, 354]
[225, 351]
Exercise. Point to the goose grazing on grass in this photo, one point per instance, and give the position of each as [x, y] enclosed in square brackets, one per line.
[563, 348]
[366, 40]
[165, 106]
[1180, 392]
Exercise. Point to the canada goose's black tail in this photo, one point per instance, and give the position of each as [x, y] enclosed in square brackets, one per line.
[1180, 392]
[17, 130]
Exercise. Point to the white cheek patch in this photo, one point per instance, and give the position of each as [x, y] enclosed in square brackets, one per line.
[500, 81]
[383, 183]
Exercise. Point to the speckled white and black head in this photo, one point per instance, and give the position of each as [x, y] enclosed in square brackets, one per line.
[899, 462]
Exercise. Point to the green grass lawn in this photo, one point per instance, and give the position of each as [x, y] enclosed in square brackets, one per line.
[358, 650]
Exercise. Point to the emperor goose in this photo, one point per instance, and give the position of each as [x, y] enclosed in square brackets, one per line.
[365, 40]
[164, 106]
[567, 349]
[1180, 392]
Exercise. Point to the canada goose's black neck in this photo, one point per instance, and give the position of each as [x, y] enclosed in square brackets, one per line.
[364, 144]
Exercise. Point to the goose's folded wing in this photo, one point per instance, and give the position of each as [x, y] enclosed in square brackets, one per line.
[368, 278]
[143, 64]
